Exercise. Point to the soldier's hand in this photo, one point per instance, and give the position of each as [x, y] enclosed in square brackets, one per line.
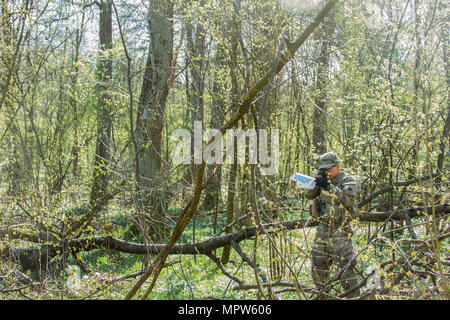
[323, 182]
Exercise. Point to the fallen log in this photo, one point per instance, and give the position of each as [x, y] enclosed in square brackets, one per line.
[216, 242]
[37, 259]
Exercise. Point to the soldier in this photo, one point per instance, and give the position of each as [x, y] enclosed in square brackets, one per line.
[333, 201]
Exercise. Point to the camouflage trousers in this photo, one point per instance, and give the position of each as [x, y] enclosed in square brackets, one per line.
[333, 245]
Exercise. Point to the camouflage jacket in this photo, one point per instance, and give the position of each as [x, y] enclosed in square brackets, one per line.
[330, 207]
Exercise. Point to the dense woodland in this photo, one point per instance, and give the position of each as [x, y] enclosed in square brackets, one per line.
[94, 207]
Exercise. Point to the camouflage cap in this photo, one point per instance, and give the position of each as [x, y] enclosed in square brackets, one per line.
[328, 160]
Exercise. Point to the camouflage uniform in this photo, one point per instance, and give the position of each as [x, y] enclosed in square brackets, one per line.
[333, 240]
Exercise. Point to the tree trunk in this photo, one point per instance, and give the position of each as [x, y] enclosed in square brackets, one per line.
[212, 191]
[320, 110]
[73, 105]
[104, 104]
[234, 166]
[13, 166]
[195, 35]
[151, 117]
[444, 145]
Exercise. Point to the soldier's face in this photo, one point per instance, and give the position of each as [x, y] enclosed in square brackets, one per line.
[332, 172]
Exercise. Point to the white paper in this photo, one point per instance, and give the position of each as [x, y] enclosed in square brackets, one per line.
[304, 181]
